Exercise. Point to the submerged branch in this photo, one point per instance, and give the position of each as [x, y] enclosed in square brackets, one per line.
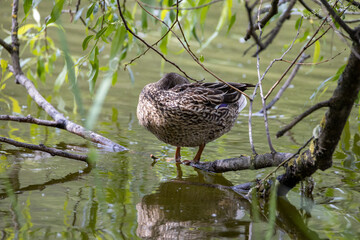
[43, 148]
[30, 119]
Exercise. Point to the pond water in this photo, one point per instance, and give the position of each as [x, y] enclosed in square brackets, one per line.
[126, 196]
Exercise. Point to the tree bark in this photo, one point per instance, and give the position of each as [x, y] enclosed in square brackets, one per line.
[319, 154]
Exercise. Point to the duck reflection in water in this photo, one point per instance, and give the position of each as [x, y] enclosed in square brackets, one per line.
[189, 209]
[185, 114]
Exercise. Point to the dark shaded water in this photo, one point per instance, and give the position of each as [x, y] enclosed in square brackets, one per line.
[126, 197]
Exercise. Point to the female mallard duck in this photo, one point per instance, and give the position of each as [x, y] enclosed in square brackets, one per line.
[185, 114]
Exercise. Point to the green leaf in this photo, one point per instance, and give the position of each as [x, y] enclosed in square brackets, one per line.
[40, 69]
[164, 42]
[90, 10]
[316, 52]
[117, 41]
[86, 42]
[60, 79]
[144, 22]
[231, 23]
[298, 23]
[3, 64]
[327, 81]
[15, 105]
[114, 116]
[114, 78]
[101, 32]
[201, 58]
[195, 35]
[56, 11]
[224, 14]
[272, 211]
[27, 6]
[99, 100]
[94, 61]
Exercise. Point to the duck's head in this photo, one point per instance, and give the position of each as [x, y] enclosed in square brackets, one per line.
[170, 80]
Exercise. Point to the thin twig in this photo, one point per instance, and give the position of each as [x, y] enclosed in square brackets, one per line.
[310, 9]
[263, 101]
[187, 48]
[286, 84]
[309, 43]
[302, 116]
[43, 148]
[148, 45]
[251, 141]
[154, 44]
[188, 8]
[316, 63]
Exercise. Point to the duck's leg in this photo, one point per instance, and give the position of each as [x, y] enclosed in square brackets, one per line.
[198, 154]
[177, 155]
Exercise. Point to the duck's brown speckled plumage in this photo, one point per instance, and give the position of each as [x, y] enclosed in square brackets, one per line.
[187, 114]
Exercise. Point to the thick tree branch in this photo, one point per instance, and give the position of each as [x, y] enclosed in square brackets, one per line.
[252, 27]
[15, 45]
[243, 162]
[43, 148]
[278, 26]
[319, 154]
[338, 19]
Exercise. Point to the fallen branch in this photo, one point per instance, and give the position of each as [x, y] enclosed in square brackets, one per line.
[63, 122]
[59, 118]
[243, 162]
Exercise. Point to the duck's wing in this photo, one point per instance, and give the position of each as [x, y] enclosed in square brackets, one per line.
[210, 94]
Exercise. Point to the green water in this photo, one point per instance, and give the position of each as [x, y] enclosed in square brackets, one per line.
[127, 197]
